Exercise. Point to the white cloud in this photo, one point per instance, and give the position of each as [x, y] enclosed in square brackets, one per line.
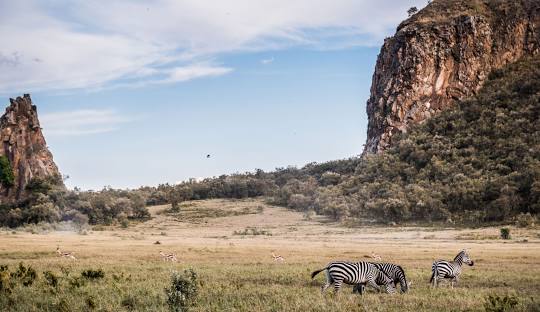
[81, 122]
[95, 44]
[267, 61]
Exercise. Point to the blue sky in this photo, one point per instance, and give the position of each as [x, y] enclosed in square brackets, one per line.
[140, 99]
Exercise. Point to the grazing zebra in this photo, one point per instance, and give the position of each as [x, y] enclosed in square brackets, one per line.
[351, 273]
[442, 269]
[393, 271]
[168, 257]
[278, 258]
[65, 254]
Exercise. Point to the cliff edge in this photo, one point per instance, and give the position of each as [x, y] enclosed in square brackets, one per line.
[442, 54]
[24, 153]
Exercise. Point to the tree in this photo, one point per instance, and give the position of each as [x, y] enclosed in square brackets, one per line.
[412, 11]
[7, 177]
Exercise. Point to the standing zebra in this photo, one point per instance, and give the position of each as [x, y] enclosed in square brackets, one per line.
[393, 271]
[351, 273]
[442, 269]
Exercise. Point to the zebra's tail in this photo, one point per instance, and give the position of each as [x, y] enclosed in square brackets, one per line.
[317, 272]
[433, 272]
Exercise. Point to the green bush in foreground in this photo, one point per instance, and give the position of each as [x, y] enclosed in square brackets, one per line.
[183, 291]
[495, 303]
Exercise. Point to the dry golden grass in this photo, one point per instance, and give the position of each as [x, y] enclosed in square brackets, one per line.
[238, 272]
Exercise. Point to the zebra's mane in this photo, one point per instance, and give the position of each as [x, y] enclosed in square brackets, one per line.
[460, 254]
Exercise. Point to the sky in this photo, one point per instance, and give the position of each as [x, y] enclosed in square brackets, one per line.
[133, 93]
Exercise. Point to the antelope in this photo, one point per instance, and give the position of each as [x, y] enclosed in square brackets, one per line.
[375, 256]
[168, 257]
[65, 254]
[278, 258]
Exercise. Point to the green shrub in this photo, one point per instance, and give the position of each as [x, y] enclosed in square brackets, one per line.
[495, 303]
[129, 302]
[183, 291]
[77, 282]
[505, 233]
[7, 178]
[90, 302]
[25, 274]
[51, 279]
[93, 274]
[5, 281]
[524, 220]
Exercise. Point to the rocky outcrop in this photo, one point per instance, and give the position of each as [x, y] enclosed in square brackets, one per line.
[442, 54]
[24, 146]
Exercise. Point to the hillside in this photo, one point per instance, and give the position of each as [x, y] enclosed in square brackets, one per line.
[476, 162]
[442, 54]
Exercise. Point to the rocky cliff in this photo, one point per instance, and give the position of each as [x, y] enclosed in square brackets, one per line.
[24, 150]
[442, 54]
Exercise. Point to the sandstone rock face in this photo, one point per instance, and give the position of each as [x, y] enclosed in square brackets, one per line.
[25, 147]
[442, 54]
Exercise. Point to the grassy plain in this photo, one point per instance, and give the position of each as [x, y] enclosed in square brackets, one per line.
[216, 238]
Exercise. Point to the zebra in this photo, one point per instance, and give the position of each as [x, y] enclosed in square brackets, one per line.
[168, 257]
[353, 273]
[65, 254]
[442, 269]
[393, 271]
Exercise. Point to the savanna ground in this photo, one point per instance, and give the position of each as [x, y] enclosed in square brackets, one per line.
[216, 238]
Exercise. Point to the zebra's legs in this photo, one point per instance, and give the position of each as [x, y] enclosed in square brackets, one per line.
[337, 286]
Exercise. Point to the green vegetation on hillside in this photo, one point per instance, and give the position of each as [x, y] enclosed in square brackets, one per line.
[7, 179]
[479, 162]
[476, 163]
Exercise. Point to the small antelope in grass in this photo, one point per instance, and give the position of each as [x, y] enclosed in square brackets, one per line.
[375, 256]
[278, 258]
[65, 254]
[168, 257]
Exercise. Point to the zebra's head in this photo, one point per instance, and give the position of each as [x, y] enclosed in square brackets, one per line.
[388, 283]
[465, 258]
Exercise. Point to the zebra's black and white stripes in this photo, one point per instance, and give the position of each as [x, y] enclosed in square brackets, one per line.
[442, 269]
[394, 272]
[353, 273]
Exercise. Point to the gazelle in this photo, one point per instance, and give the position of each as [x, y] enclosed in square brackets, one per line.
[375, 256]
[277, 258]
[168, 257]
[65, 254]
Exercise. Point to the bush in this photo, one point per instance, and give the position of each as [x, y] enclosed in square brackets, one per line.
[7, 178]
[183, 291]
[93, 274]
[495, 303]
[505, 233]
[25, 274]
[5, 280]
[129, 302]
[524, 220]
[51, 279]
